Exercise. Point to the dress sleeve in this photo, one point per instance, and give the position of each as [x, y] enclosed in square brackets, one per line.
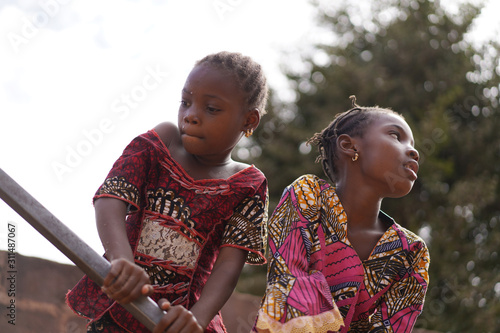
[297, 297]
[246, 230]
[404, 301]
[127, 177]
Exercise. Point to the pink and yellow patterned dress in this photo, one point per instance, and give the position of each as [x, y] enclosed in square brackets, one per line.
[176, 226]
[317, 283]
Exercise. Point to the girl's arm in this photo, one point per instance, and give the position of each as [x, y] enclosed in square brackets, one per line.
[403, 302]
[110, 216]
[297, 297]
[220, 284]
[125, 280]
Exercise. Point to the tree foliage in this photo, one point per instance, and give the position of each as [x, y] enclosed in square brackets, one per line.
[411, 56]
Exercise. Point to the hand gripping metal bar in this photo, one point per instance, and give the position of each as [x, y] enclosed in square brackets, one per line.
[90, 262]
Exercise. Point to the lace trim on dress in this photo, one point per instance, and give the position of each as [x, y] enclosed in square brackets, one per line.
[329, 321]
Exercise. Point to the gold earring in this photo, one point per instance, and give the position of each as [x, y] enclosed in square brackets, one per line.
[249, 132]
[355, 157]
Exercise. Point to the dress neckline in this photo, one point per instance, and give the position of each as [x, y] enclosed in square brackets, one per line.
[389, 231]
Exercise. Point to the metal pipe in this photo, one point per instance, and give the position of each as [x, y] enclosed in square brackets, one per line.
[90, 262]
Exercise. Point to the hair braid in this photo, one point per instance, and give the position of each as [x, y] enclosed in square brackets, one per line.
[247, 72]
[353, 123]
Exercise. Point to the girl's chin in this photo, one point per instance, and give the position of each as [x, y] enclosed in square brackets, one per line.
[400, 191]
[191, 145]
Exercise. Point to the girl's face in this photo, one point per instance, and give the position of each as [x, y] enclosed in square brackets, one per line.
[387, 157]
[212, 114]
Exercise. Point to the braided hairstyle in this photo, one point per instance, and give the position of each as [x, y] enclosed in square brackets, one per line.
[248, 74]
[353, 123]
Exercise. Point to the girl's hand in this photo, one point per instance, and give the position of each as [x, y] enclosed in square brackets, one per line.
[177, 320]
[126, 281]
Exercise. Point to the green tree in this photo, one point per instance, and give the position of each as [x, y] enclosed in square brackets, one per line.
[412, 56]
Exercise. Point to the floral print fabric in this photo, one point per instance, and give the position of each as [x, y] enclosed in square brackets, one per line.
[314, 269]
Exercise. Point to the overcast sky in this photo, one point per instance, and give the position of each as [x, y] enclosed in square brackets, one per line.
[80, 79]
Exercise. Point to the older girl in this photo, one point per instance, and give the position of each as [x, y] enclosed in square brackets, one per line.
[338, 263]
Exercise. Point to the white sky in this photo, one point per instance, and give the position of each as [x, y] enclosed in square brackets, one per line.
[80, 79]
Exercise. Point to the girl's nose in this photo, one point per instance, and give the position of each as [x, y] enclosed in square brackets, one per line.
[413, 153]
[190, 117]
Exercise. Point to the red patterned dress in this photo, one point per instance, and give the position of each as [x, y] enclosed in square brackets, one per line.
[176, 226]
[317, 283]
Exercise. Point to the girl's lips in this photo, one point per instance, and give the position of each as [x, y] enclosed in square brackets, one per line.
[188, 133]
[412, 166]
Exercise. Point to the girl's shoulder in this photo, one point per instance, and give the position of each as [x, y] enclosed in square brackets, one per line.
[413, 241]
[311, 182]
[168, 133]
[310, 190]
[236, 167]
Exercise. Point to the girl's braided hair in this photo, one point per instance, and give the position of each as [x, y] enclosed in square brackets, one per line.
[353, 123]
[248, 74]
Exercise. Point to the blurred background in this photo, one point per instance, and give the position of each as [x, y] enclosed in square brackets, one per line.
[81, 79]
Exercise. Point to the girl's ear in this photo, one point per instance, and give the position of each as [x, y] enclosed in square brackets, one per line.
[252, 119]
[346, 145]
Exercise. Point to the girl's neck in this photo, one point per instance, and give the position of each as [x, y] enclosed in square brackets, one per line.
[215, 163]
[199, 168]
[219, 166]
[362, 207]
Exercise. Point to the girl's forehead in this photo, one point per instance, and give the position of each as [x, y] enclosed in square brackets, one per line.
[385, 119]
[210, 71]
[208, 81]
[210, 77]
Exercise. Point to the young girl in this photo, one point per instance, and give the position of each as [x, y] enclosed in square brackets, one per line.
[178, 218]
[338, 263]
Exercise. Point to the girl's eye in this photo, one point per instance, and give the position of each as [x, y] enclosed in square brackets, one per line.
[184, 103]
[396, 135]
[212, 109]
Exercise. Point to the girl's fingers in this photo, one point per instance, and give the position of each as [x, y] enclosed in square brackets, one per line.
[147, 290]
[132, 288]
[164, 304]
[177, 319]
[164, 322]
[125, 281]
[192, 327]
[113, 273]
[170, 320]
[184, 322]
[128, 291]
[113, 285]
